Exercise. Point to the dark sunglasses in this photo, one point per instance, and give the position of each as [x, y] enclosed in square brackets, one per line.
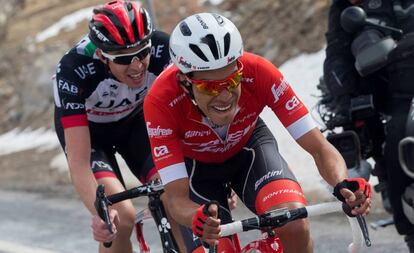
[126, 59]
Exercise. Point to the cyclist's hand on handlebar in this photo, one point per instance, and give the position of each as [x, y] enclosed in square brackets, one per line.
[206, 223]
[100, 230]
[356, 193]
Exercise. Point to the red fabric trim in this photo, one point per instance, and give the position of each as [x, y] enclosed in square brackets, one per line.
[278, 192]
[74, 120]
[103, 174]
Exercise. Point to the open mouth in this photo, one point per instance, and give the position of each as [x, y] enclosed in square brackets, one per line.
[222, 108]
[136, 76]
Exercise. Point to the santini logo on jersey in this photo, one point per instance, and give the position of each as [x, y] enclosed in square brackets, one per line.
[157, 131]
[280, 89]
[270, 174]
[190, 134]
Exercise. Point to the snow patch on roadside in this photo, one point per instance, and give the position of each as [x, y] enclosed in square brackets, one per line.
[18, 140]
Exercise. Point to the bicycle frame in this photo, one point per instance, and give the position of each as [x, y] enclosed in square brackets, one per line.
[153, 191]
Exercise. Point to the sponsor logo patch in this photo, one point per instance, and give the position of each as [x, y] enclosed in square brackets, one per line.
[160, 151]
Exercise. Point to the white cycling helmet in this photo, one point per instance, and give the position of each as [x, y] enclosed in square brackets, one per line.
[205, 41]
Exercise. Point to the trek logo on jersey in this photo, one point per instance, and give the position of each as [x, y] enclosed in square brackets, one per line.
[67, 87]
[216, 146]
[160, 151]
[280, 89]
[176, 100]
[292, 103]
[74, 106]
[248, 80]
[157, 131]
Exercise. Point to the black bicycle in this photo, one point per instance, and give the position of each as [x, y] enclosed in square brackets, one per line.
[153, 191]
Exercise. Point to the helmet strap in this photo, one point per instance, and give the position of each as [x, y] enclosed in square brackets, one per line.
[190, 93]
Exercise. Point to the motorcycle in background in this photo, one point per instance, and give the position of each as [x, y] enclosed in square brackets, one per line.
[353, 136]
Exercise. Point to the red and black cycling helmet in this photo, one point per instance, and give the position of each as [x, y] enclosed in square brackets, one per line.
[119, 25]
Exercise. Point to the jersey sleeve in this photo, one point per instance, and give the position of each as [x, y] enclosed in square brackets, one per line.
[160, 56]
[68, 96]
[282, 99]
[166, 145]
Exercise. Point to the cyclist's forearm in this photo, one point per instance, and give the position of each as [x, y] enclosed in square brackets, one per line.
[181, 207]
[85, 185]
[78, 148]
[183, 211]
[329, 161]
[331, 165]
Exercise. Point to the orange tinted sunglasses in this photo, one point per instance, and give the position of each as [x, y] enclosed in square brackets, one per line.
[215, 87]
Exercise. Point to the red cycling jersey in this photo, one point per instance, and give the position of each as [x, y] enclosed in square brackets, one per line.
[176, 128]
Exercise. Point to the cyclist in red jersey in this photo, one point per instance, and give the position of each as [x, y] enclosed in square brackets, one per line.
[202, 116]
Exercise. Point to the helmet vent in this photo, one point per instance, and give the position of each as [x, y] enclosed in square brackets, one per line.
[211, 42]
[185, 30]
[198, 52]
[118, 24]
[226, 44]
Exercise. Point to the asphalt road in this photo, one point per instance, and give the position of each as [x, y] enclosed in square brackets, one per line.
[36, 223]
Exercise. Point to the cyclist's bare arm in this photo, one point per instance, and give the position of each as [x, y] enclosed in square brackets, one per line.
[182, 208]
[332, 167]
[329, 161]
[78, 148]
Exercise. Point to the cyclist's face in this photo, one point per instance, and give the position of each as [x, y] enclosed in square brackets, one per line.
[132, 74]
[220, 108]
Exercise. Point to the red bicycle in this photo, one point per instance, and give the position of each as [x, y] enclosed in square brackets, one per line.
[229, 243]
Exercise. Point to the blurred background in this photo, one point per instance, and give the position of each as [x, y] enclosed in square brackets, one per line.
[34, 35]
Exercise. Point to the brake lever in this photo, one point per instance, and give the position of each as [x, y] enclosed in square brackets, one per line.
[101, 206]
[363, 225]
